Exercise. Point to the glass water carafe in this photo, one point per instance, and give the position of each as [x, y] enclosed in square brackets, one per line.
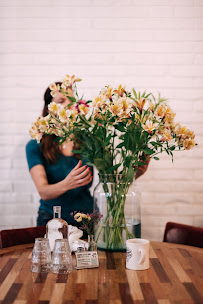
[56, 228]
[118, 200]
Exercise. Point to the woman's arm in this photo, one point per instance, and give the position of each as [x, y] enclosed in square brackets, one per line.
[78, 177]
[142, 169]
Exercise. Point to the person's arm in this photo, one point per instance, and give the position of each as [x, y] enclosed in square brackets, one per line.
[78, 177]
[142, 169]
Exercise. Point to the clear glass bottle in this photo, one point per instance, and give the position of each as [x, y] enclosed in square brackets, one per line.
[56, 228]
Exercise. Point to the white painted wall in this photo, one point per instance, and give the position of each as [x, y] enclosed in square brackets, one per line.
[149, 44]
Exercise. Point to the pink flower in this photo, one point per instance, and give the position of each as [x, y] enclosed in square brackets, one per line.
[82, 101]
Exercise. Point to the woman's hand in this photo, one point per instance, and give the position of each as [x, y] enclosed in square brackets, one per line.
[78, 177]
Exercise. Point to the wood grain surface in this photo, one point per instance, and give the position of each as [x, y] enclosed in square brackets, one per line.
[175, 276]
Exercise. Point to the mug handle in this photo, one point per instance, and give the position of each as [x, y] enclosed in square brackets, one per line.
[143, 256]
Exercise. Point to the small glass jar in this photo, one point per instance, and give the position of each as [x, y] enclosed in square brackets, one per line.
[92, 245]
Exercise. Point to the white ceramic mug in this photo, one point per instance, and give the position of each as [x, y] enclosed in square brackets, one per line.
[137, 254]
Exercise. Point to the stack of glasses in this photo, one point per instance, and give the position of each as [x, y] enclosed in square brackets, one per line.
[60, 262]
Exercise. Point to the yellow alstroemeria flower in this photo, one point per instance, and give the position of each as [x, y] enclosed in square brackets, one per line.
[43, 124]
[38, 137]
[73, 114]
[63, 115]
[33, 130]
[169, 118]
[107, 92]
[116, 109]
[180, 130]
[83, 109]
[169, 115]
[188, 144]
[96, 101]
[55, 131]
[120, 91]
[99, 101]
[166, 135]
[190, 134]
[149, 126]
[151, 107]
[126, 105]
[78, 217]
[140, 103]
[34, 133]
[54, 89]
[54, 107]
[160, 111]
[68, 80]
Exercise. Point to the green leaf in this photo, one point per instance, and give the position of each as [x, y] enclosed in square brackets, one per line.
[99, 120]
[130, 173]
[147, 95]
[88, 101]
[156, 158]
[120, 127]
[71, 98]
[135, 94]
[148, 151]
[121, 145]
[128, 160]
[99, 164]
[154, 143]
[108, 159]
[172, 148]
[111, 169]
[143, 94]
[139, 163]
[106, 143]
[76, 151]
[69, 105]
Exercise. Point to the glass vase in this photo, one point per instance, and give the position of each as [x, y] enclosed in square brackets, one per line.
[118, 201]
[92, 245]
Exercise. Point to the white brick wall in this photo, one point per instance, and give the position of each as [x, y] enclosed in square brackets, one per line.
[153, 44]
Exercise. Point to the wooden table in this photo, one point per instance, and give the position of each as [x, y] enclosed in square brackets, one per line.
[174, 276]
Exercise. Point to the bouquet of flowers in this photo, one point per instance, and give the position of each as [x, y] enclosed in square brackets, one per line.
[118, 132]
[88, 221]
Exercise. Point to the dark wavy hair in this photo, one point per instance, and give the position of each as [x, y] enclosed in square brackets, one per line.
[49, 147]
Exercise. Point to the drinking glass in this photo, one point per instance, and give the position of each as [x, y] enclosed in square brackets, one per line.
[61, 257]
[41, 256]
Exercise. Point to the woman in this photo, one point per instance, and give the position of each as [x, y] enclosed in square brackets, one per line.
[60, 177]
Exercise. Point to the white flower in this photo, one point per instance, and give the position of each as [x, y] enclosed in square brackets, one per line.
[149, 126]
[84, 109]
[68, 80]
[166, 135]
[116, 109]
[160, 111]
[55, 107]
[54, 89]
[63, 115]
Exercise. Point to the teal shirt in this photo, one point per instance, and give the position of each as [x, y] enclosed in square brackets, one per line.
[78, 199]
